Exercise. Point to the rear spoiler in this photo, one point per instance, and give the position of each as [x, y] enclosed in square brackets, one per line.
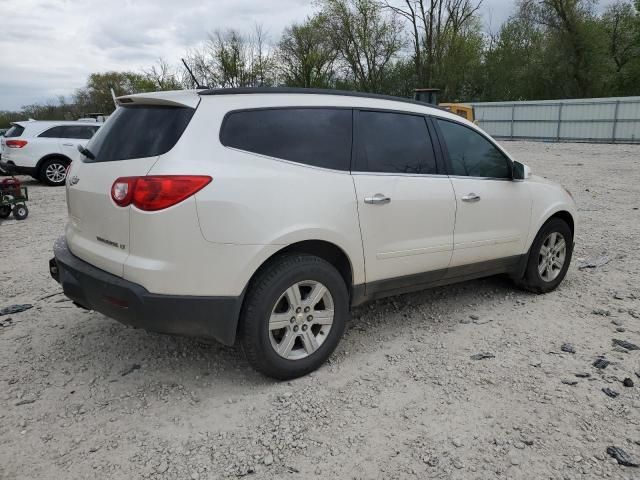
[177, 98]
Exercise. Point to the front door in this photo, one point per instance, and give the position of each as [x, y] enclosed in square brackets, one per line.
[493, 211]
[405, 205]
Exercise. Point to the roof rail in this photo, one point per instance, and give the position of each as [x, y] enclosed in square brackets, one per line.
[311, 91]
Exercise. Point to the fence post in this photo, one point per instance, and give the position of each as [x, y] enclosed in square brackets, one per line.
[559, 121]
[513, 111]
[615, 122]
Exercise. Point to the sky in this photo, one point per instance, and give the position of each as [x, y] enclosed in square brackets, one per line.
[49, 47]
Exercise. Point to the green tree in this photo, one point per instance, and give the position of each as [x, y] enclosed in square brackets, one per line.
[231, 59]
[447, 42]
[306, 55]
[96, 97]
[621, 22]
[366, 38]
[163, 76]
[576, 43]
[514, 57]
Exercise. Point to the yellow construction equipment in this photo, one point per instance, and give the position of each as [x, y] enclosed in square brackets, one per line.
[430, 96]
[465, 111]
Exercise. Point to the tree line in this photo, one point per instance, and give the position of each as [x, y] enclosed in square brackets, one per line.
[546, 49]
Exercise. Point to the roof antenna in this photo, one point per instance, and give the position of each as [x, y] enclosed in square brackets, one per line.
[193, 77]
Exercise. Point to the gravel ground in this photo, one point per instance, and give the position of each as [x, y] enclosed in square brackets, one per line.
[82, 396]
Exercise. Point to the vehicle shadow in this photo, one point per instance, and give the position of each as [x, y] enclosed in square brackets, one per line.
[112, 347]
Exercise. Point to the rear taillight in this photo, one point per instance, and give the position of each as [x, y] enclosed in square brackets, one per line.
[156, 192]
[16, 143]
[122, 190]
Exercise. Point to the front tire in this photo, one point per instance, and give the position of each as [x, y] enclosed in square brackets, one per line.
[54, 172]
[549, 257]
[294, 316]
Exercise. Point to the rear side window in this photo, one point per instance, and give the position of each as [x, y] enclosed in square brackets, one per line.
[394, 143]
[70, 131]
[472, 155]
[55, 132]
[314, 136]
[14, 131]
[139, 131]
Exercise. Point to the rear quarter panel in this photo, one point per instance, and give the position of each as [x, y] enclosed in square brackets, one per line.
[262, 202]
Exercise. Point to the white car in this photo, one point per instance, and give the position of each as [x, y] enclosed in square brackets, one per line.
[44, 149]
[264, 214]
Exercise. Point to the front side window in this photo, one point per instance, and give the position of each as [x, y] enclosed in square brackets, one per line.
[472, 155]
[80, 131]
[320, 137]
[394, 143]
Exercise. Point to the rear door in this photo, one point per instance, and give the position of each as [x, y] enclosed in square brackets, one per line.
[405, 204]
[127, 145]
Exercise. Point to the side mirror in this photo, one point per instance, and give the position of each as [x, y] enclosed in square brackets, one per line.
[521, 171]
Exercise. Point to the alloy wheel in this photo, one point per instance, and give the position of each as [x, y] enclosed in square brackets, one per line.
[551, 258]
[301, 320]
[56, 172]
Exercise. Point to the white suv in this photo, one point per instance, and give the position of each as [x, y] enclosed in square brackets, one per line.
[264, 214]
[44, 149]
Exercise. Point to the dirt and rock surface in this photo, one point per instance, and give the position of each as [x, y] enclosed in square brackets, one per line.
[82, 396]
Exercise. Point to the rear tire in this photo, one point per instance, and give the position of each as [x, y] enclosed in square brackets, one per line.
[294, 316]
[53, 172]
[5, 211]
[549, 257]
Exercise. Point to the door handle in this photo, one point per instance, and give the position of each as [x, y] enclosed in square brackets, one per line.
[68, 144]
[471, 197]
[377, 199]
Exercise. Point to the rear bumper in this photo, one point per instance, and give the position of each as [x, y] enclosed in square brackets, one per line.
[13, 169]
[131, 304]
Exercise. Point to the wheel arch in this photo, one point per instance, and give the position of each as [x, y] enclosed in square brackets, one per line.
[566, 216]
[50, 156]
[324, 249]
[328, 251]
[559, 211]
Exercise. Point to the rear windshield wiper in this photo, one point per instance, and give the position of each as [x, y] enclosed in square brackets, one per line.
[86, 152]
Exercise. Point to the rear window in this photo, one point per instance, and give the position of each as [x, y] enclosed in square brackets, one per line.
[320, 137]
[139, 131]
[14, 131]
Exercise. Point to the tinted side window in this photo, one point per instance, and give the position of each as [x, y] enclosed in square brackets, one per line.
[139, 131]
[314, 136]
[55, 132]
[79, 131]
[14, 131]
[471, 154]
[394, 143]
